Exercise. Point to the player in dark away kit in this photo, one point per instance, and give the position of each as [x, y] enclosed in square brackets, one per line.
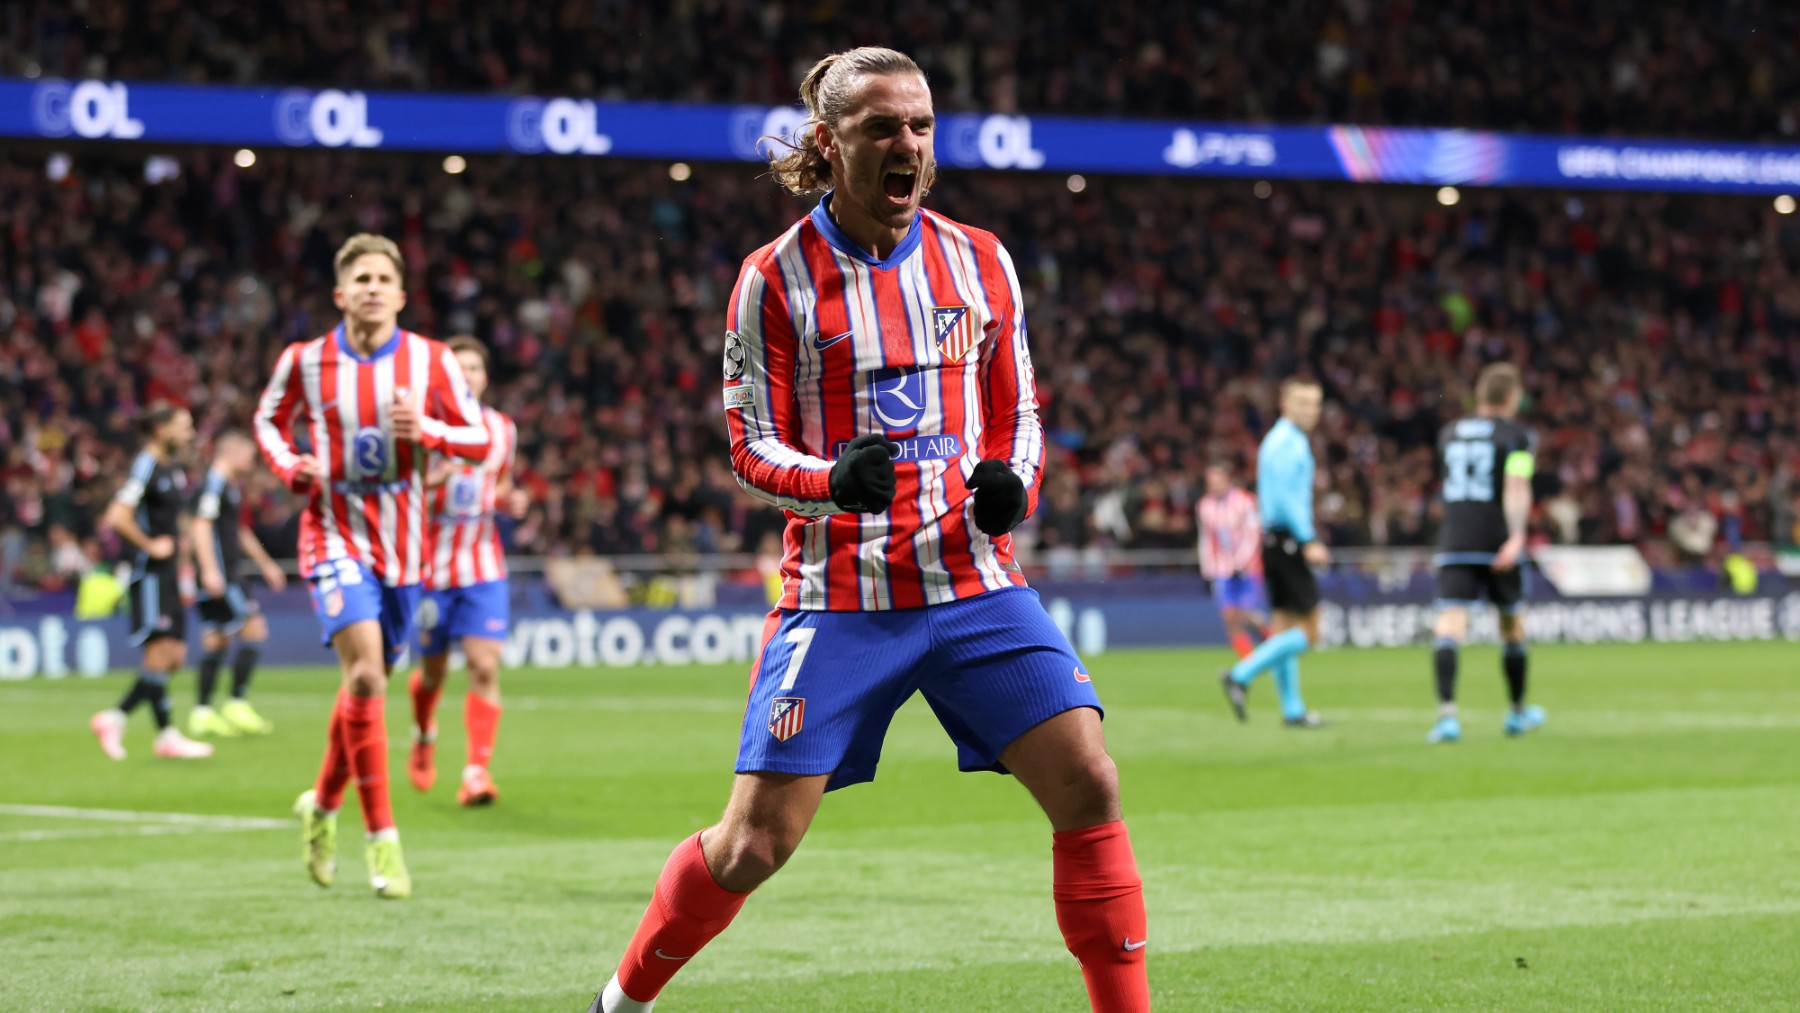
[1486, 462]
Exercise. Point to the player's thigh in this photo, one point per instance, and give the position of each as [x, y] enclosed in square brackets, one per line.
[164, 653]
[482, 654]
[1452, 623]
[1000, 667]
[256, 628]
[824, 689]
[1064, 764]
[360, 652]
[1512, 626]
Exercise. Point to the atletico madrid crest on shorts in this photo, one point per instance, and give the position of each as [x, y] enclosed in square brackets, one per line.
[785, 715]
[955, 331]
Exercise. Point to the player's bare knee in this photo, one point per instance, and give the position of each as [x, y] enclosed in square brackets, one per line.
[1087, 795]
[213, 642]
[484, 677]
[743, 857]
[256, 630]
[1512, 628]
[174, 655]
[366, 677]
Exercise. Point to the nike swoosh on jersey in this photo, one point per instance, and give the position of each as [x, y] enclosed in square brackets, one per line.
[1130, 947]
[821, 342]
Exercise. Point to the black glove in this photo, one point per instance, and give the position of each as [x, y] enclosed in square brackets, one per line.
[862, 480]
[999, 498]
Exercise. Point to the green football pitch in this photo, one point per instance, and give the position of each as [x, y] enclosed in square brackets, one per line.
[1638, 853]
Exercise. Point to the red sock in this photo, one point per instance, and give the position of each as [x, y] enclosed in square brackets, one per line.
[481, 720]
[334, 773]
[1240, 642]
[1100, 909]
[365, 735]
[686, 911]
[424, 700]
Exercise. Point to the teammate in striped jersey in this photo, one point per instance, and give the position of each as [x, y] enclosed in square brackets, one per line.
[1231, 556]
[878, 386]
[465, 592]
[371, 401]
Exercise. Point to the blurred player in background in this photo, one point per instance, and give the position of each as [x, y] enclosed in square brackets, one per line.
[146, 511]
[879, 388]
[221, 538]
[465, 591]
[1290, 548]
[375, 400]
[1487, 463]
[1230, 556]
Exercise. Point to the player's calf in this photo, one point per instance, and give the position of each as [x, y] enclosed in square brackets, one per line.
[421, 760]
[688, 909]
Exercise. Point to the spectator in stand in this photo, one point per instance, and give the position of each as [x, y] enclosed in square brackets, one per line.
[1659, 335]
[1682, 67]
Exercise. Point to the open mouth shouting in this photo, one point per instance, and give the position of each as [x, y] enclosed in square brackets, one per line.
[901, 184]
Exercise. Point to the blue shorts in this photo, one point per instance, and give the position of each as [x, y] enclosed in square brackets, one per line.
[828, 683]
[479, 610]
[346, 591]
[1240, 591]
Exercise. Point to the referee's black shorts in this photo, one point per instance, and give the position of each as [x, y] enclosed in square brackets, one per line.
[156, 610]
[1292, 588]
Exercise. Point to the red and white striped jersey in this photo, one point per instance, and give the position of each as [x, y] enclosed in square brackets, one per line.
[371, 505]
[1230, 535]
[825, 343]
[464, 541]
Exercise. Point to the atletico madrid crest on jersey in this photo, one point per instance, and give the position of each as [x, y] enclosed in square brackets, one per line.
[955, 331]
[785, 715]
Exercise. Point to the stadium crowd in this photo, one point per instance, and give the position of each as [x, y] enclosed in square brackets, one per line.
[1657, 334]
[1680, 67]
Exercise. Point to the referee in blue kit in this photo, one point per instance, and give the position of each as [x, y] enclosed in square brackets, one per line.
[1290, 549]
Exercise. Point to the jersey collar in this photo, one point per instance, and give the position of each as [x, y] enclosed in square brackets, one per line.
[387, 348]
[828, 227]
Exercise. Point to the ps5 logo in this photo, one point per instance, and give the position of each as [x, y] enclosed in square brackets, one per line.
[329, 118]
[1188, 149]
[91, 109]
[561, 126]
